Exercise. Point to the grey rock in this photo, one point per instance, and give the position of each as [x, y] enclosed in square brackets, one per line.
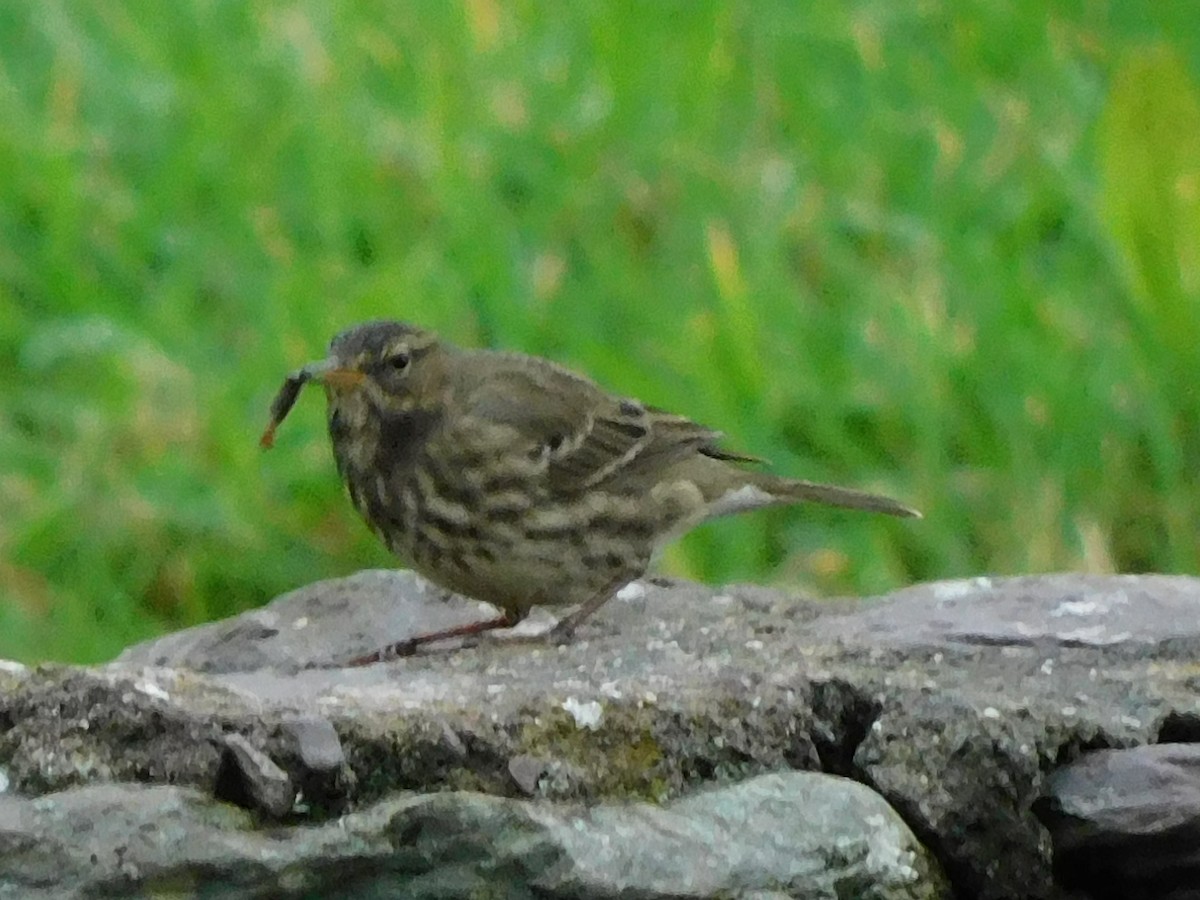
[249, 778]
[318, 625]
[807, 834]
[1126, 823]
[317, 743]
[1130, 612]
[314, 756]
[953, 701]
[526, 772]
[770, 833]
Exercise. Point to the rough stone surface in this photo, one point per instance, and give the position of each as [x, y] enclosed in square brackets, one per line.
[312, 752]
[314, 626]
[249, 778]
[527, 772]
[953, 701]
[769, 833]
[1126, 823]
[318, 746]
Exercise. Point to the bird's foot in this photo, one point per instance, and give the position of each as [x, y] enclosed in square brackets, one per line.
[409, 646]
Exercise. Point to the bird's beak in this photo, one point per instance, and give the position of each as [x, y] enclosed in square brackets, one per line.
[329, 373]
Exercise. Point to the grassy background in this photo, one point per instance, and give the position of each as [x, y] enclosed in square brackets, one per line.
[948, 250]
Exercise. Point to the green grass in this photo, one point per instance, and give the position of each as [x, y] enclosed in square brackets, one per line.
[947, 250]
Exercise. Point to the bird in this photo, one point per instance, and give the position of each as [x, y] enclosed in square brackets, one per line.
[514, 480]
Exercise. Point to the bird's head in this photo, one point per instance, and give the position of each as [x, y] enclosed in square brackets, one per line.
[392, 366]
[376, 375]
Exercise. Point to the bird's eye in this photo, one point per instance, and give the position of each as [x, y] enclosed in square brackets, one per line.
[398, 361]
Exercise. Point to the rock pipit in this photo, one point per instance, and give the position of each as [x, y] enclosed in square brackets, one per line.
[515, 481]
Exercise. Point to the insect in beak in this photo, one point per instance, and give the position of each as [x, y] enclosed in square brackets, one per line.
[326, 372]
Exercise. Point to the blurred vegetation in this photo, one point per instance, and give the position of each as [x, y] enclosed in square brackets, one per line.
[949, 250]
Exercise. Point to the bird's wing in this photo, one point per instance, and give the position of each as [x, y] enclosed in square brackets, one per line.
[582, 434]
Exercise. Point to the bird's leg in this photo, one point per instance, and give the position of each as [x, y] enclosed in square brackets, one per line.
[561, 633]
[564, 631]
[408, 646]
